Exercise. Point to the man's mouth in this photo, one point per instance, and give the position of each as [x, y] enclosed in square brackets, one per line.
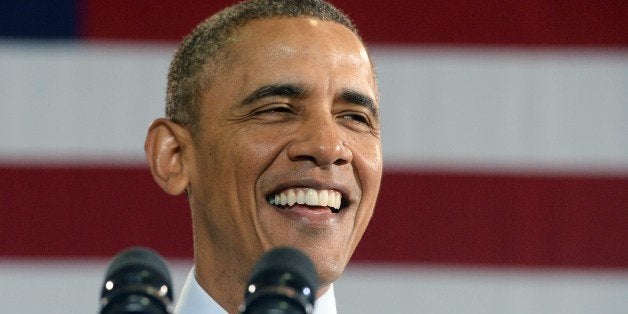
[308, 196]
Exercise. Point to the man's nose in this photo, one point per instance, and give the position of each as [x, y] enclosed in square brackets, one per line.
[320, 141]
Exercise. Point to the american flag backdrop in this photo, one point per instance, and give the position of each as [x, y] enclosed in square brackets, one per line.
[505, 134]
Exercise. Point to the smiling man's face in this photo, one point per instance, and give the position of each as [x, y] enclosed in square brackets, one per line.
[288, 148]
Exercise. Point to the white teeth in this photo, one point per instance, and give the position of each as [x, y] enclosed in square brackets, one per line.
[284, 199]
[323, 197]
[300, 196]
[292, 197]
[307, 196]
[311, 197]
[334, 200]
[331, 200]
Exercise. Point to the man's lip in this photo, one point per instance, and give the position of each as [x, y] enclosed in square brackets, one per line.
[309, 215]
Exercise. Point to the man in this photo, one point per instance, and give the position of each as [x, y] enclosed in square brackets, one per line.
[273, 132]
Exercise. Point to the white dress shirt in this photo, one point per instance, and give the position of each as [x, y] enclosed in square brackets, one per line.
[194, 300]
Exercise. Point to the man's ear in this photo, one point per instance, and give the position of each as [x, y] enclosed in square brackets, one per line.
[165, 145]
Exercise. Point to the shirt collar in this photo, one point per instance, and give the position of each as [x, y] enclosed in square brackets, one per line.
[194, 300]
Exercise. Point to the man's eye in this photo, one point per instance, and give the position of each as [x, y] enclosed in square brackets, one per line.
[280, 109]
[356, 117]
[274, 113]
[277, 109]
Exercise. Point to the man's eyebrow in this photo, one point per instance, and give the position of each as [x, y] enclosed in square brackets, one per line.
[286, 90]
[358, 98]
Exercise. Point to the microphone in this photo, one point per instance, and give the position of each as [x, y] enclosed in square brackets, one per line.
[137, 281]
[284, 281]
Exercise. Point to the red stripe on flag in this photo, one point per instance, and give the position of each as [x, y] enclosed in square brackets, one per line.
[526, 220]
[469, 22]
[89, 212]
[455, 218]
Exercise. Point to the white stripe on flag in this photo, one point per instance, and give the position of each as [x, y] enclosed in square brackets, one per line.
[452, 107]
[73, 286]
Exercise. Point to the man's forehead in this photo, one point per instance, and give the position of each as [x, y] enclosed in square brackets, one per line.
[303, 34]
[286, 28]
[268, 51]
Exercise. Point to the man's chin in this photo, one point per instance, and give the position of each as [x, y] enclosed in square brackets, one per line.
[329, 262]
[329, 270]
[320, 239]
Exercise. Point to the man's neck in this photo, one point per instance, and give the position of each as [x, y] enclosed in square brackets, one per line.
[222, 285]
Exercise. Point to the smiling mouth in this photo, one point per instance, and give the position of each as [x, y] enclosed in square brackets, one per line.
[309, 197]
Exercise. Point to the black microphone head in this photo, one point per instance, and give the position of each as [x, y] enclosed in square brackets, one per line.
[137, 281]
[284, 280]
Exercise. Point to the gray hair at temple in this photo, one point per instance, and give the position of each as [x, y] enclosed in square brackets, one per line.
[203, 53]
